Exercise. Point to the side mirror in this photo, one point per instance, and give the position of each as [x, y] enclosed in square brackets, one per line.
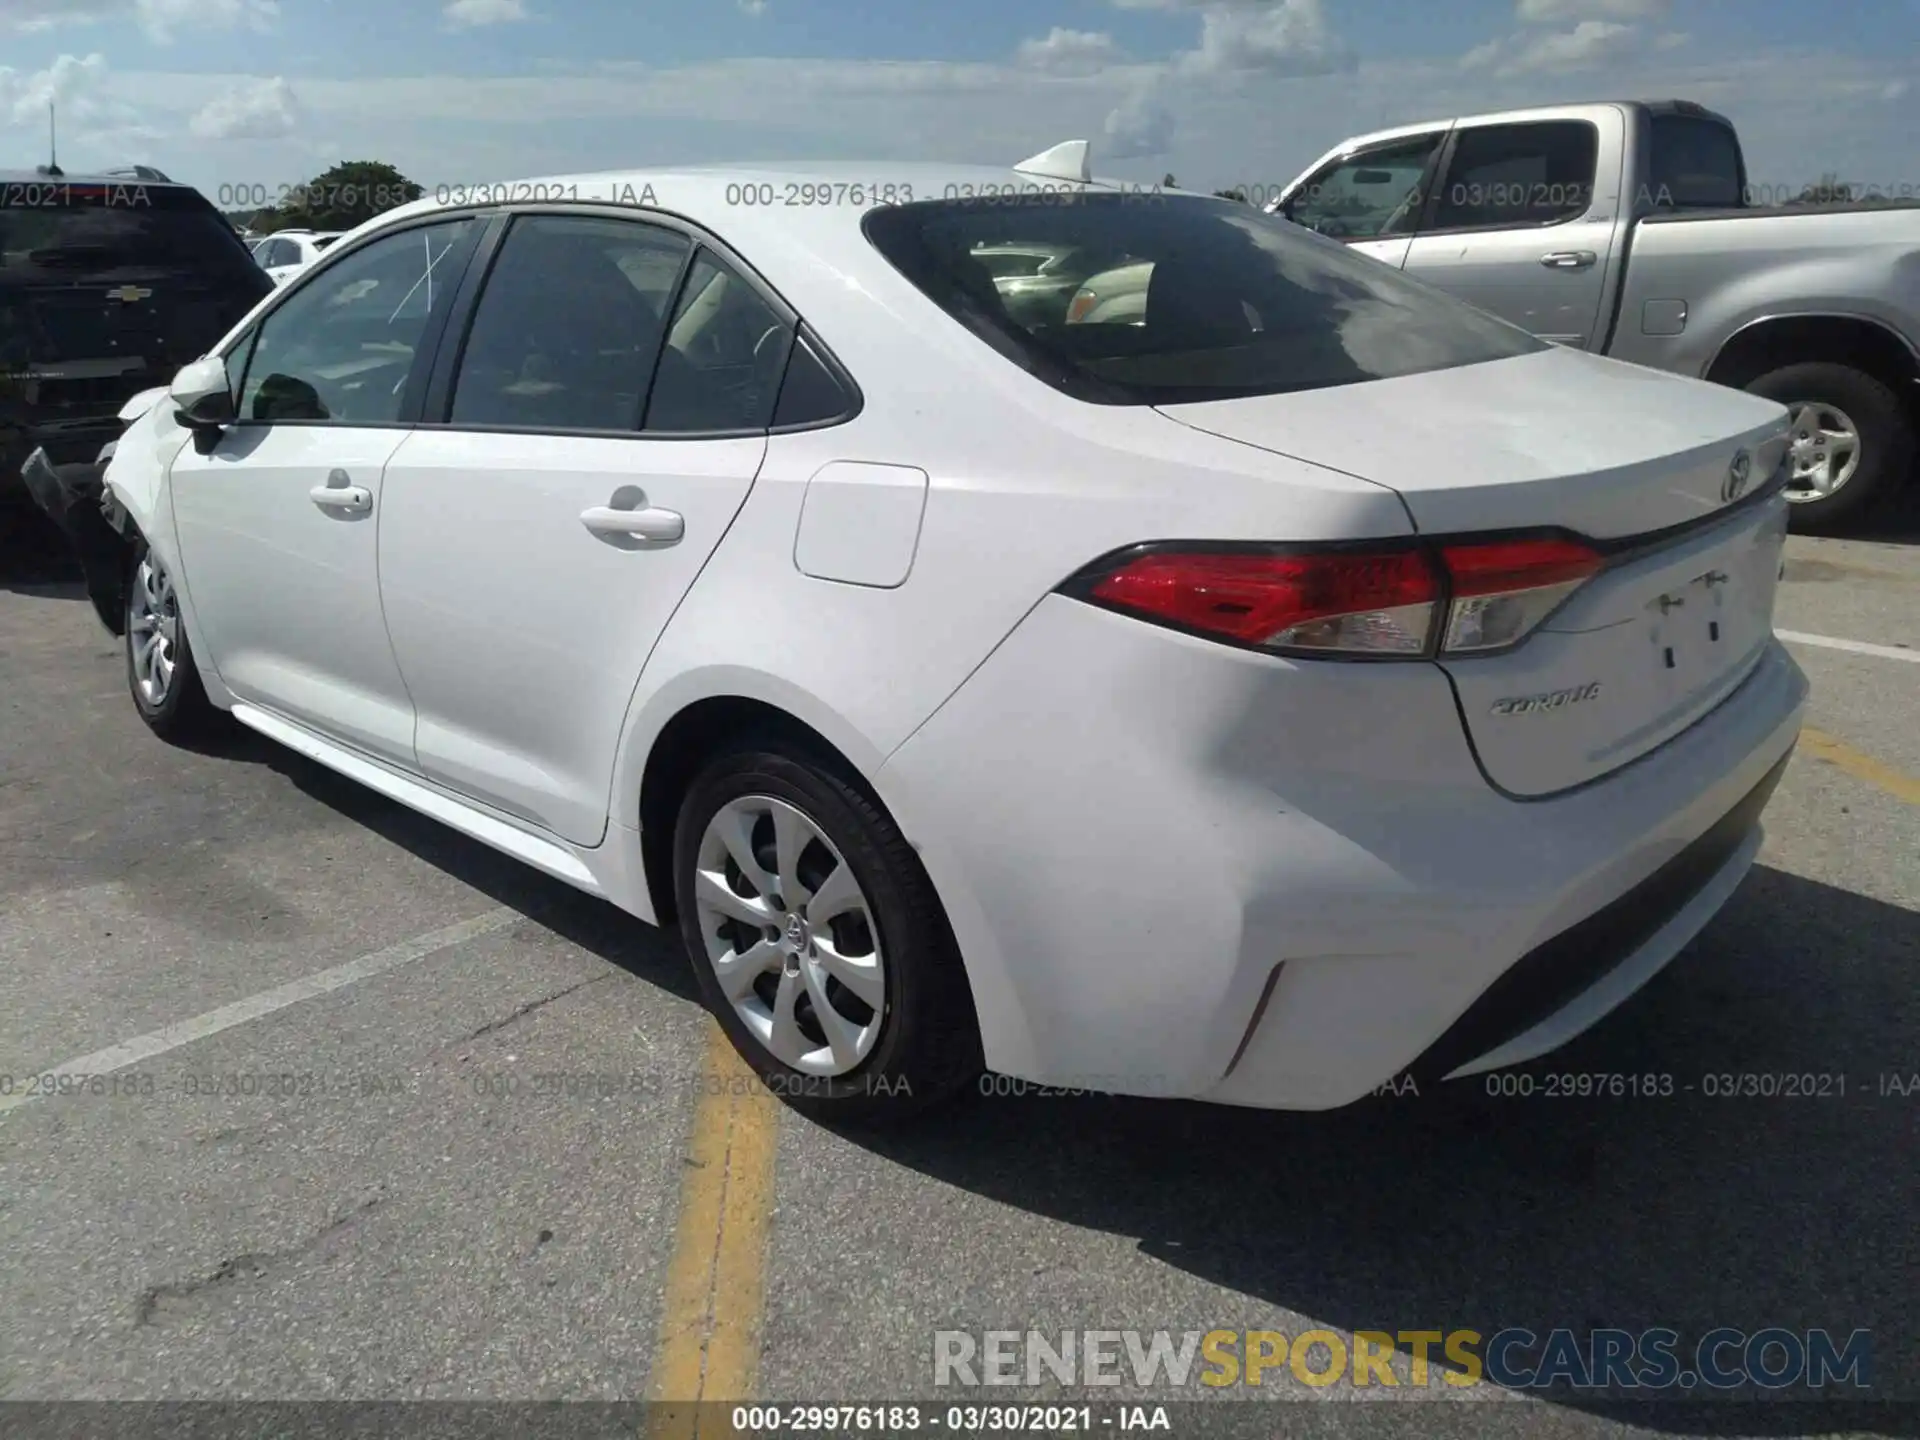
[200, 394]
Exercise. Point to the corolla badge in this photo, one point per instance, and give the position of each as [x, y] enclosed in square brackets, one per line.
[1738, 474]
[1552, 700]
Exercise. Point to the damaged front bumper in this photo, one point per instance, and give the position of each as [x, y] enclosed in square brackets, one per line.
[75, 497]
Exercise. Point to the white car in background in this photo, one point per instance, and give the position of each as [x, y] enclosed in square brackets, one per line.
[285, 253]
[1317, 682]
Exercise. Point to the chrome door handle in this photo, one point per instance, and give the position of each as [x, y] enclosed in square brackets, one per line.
[1568, 259]
[337, 494]
[650, 523]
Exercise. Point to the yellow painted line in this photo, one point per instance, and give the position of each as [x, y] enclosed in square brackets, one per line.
[1843, 756]
[709, 1346]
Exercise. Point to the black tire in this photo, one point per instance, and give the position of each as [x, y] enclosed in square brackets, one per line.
[928, 1046]
[184, 714]
[1886, 436]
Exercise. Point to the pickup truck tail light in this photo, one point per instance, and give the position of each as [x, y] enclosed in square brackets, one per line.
[1410, 601]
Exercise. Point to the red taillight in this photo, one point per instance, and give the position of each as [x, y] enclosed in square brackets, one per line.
[1082, 303]
[1448, 598]
[1378, 603]
[1503, 589]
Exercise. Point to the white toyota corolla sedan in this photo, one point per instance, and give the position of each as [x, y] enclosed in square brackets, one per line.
[1314, 684]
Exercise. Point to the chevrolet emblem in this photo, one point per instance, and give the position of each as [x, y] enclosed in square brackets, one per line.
[127, 294]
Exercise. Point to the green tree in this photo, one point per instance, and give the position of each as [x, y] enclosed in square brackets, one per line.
[340, 198]
[1236, 193]
[1167, 182]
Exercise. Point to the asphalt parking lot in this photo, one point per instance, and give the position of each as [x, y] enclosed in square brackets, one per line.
[340, 1160]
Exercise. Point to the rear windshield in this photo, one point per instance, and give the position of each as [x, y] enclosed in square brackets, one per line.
[1695, 165]
[59, 228]
[1170, 298]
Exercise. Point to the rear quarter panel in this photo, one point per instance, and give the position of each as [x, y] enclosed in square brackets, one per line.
[1025, 486]
[1735, 270]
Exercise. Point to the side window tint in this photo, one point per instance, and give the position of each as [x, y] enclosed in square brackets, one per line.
[1519, 175]
[1367, 195]
[726, 351]
[341, 346]
[569, 325]
[810, 394]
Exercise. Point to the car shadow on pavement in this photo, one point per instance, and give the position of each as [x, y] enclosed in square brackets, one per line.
[644, 951]
[1459, 1209]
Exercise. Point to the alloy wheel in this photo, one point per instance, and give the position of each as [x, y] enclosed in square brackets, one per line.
[153, 630]
[1825, 451]
[790, 935]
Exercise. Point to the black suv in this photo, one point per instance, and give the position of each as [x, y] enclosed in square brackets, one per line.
[108, 285]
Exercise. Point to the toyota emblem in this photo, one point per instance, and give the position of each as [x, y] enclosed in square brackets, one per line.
[1738, 474]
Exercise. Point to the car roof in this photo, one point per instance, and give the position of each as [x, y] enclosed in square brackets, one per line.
[80, 177]
[708, 193]
[759, 208]
[798, 225]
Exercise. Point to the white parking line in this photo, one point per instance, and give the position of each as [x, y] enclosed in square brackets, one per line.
[172, 1037]
[1857, 647]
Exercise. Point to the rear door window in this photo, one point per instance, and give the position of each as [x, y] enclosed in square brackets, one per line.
[725, 354]
[1538, 173]
[569, 325]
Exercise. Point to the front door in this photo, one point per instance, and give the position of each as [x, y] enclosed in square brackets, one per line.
[277, 518]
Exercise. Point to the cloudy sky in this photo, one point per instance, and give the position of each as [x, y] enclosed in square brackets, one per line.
[235, 95]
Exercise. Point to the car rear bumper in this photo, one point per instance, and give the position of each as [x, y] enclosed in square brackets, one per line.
[1178, 869]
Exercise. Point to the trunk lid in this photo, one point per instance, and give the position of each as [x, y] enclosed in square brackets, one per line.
[1559, 438]
[1645, 649]
[1640, 462]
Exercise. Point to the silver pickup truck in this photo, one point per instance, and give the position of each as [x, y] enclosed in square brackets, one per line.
[1629, 229]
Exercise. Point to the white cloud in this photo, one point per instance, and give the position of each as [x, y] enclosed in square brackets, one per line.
[754, 7]
[472, 13]
[1290, 37]
[266, 110]
[1672, 40]
[1553, 12]
[1070, 52]
[1139, 127]
[1590, 43]
[1801, 112]
[70, 83]
[1893, 90]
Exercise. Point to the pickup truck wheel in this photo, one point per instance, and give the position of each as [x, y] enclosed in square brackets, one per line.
[1852, 440]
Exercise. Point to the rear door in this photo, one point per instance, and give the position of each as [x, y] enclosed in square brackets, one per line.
[591, 441]
[1522, 223]
[1370, 198]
